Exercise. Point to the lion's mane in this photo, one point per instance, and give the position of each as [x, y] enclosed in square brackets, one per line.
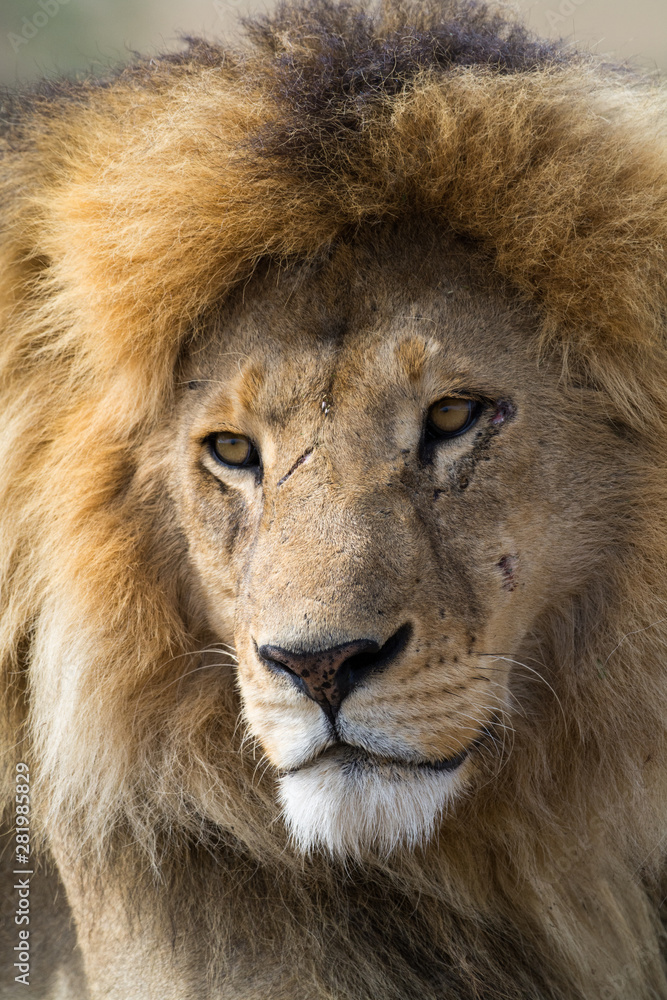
[131, 208]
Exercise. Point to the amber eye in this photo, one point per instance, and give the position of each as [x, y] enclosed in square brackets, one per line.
[233, 449]
[452, 415]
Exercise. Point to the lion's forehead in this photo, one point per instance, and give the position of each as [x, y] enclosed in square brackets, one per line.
[286, 349]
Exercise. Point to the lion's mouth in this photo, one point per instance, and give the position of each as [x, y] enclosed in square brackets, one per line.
[353, 760]
[448, 764]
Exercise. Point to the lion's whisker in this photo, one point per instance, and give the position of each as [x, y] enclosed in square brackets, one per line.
[519, 663]
[637, 631]
[195, 670]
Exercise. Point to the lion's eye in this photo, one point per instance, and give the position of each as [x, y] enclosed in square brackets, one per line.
[452, 416]
[233, 449]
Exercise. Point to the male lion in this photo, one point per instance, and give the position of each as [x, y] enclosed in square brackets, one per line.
[334, 519]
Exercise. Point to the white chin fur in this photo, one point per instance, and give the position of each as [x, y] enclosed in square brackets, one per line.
[349, 805]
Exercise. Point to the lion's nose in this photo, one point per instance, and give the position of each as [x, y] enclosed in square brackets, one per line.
[329, 675]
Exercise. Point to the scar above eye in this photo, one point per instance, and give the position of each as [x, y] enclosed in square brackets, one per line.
[303, 458]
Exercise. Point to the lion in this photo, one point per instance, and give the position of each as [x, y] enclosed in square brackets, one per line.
[334, 518]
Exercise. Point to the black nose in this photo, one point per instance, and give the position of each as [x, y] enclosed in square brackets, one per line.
[328, 675]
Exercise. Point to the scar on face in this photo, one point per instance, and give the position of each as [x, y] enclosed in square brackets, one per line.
[302, 458]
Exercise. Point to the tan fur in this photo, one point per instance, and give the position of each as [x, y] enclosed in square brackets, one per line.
[244, 242]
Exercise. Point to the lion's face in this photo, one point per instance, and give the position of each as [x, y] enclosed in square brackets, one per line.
[376, 574]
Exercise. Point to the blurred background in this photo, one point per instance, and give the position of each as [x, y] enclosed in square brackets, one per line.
[48, 37]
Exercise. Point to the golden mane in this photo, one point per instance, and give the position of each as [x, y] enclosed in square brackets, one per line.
[131, 208]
